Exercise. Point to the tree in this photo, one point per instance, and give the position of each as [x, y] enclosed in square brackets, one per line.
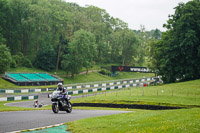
[157, 34]
[30, 25]
[46, 59]
[20, 60]
[82, 52]
[2, 39]
[5, 58]
[116, 48]
[124, 45]
[178, 50]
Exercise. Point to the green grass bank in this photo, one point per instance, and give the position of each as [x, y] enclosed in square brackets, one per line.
[146, 121]
[141, 121]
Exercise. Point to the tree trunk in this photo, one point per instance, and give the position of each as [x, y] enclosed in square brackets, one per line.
[58, 58]
[123, 61]
[72, 76]
[87, 71]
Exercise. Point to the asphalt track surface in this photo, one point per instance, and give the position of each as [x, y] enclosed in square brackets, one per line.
[21, 120]
[42, 98]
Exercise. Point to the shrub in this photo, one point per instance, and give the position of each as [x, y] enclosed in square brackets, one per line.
[103, 71]
[13, 64]
[46, 59]
[20, 60]
[27, 63]
[109, 73]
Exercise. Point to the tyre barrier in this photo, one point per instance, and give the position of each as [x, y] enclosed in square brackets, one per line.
[129, 106]
[15, 98]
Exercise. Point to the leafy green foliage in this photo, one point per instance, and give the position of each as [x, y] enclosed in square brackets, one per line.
[176, 55]
[46, 59]
[145, 37]
[27, 26]
[5, 58]
[82, 52]
[103, 71]
[19, 60]
[124, 45]
[2, 39]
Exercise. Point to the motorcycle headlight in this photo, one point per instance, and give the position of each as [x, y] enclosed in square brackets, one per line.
[54, 95]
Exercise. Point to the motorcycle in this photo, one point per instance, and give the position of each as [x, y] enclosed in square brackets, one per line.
[37, 105]
[59, 102]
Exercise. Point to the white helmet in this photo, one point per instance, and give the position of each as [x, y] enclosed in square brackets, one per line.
[60, 84]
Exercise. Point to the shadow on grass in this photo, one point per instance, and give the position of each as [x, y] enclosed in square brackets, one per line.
[130, 106]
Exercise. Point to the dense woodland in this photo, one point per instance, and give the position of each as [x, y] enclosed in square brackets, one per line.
[177, 55]
[54, 34]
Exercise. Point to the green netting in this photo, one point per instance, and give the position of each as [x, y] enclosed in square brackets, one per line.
[17, 77]
[24, 77]
[59, 129]
[32, 76]
[48, 77]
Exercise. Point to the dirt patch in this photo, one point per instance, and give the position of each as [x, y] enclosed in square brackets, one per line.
[130, 106]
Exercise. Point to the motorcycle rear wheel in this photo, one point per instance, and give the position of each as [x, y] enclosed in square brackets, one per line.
[55, 108]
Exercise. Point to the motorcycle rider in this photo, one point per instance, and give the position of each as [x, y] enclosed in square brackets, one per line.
[63, 91]
[35, 104]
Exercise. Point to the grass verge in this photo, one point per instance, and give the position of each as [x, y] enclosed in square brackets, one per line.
[177, 94]
[183, 120]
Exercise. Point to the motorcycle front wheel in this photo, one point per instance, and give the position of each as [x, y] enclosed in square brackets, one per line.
[69, 109]
[55, 108]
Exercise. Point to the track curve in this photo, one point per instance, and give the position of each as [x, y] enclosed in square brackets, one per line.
[42, 97]
[21, 120]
